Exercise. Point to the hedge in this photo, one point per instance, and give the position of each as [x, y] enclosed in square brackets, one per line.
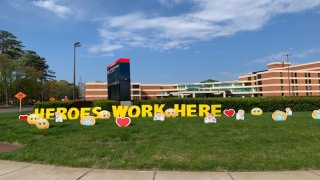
[55, 104]
[106, 104]
[267, 104]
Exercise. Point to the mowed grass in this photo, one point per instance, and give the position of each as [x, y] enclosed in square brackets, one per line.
[257, 143]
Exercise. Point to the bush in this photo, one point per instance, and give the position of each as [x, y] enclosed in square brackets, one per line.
[267, 104]
[82, 104]
[55, 104]
[105, 104]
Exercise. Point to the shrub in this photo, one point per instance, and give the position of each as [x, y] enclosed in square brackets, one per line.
[55, 104]
[82, 104]
[105, 104]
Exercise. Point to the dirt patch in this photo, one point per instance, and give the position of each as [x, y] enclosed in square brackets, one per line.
[6, 147]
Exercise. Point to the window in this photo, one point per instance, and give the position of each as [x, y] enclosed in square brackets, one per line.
[309, 74]
[136, 92]
[249, 78]
[292, 74]
[296, 88]
[309, 81]
[296, 81]
[282, 94]
[307, 88]
[281, 81]
[305, 75]
[292, 81]
[282, 74]
[259, 76]
[281, 88]
[135, 86]
[295, 75]
[259, 82]
[318, 74]
[297, 94]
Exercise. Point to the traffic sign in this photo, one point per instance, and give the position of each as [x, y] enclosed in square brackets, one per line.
[20, 95]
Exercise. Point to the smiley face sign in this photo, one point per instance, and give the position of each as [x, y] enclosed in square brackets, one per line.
[88, 121]
[170, 113]
[279, 116]
[256, 112]
[104, 114]
[32, 119]
[316, 114]
[42, 123]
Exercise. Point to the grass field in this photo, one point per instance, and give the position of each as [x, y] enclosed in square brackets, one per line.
[258, 143]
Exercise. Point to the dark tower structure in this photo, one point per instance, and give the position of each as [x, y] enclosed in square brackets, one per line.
[119, 85]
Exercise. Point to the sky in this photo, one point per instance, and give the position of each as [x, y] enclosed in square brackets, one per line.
[168, 41]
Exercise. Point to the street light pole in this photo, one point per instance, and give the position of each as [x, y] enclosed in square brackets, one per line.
[77, 44]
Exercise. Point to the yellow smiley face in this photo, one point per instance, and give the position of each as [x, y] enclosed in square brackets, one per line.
[279, 116]
[170, 113]
[32, 119]
[256, 112]
[88, 121]
[316, 114]
[42, 123]
[104, 114]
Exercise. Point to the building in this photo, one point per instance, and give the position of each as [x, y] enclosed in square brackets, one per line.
[303, 80]
[283, 79]
[98, 91]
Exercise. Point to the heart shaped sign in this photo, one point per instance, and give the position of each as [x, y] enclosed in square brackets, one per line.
[229, 112]
[23, 117]
[123, 122]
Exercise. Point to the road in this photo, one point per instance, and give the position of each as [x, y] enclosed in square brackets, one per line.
[10, 110]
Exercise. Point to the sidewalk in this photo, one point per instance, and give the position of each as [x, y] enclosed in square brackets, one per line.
[18, 170]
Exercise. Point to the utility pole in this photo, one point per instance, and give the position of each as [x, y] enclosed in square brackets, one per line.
[287, 55]
[77, 44]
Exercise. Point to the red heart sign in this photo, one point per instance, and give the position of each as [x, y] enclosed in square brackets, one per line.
[123, 122]
[23, 117]
[229, 112]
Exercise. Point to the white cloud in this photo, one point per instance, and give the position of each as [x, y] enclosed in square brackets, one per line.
[51, 5]
[208, 20]
[170, 3]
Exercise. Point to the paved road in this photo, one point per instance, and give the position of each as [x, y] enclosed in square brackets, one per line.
[19, 170]
[10, 110]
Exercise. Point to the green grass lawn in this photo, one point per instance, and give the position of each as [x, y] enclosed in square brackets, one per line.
[258, 143]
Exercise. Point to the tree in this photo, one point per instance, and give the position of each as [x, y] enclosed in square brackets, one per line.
[10, 50]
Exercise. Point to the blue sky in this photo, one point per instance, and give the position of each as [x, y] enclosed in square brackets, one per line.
[168, 41]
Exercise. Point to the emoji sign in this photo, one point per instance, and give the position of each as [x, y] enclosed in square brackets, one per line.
[159, 117]
[279, 116]
[23, 117]
[229, 112]
[104, 114]
[256, 112]
[42, 123]
[288, 112]
[58, 117]
[170, 113]
[88, 121]
[240, 115]
[123, 122]
[316, 114]
[32, 119]
[210, 119]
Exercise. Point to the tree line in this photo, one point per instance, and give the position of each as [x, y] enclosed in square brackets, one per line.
[26, 71]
